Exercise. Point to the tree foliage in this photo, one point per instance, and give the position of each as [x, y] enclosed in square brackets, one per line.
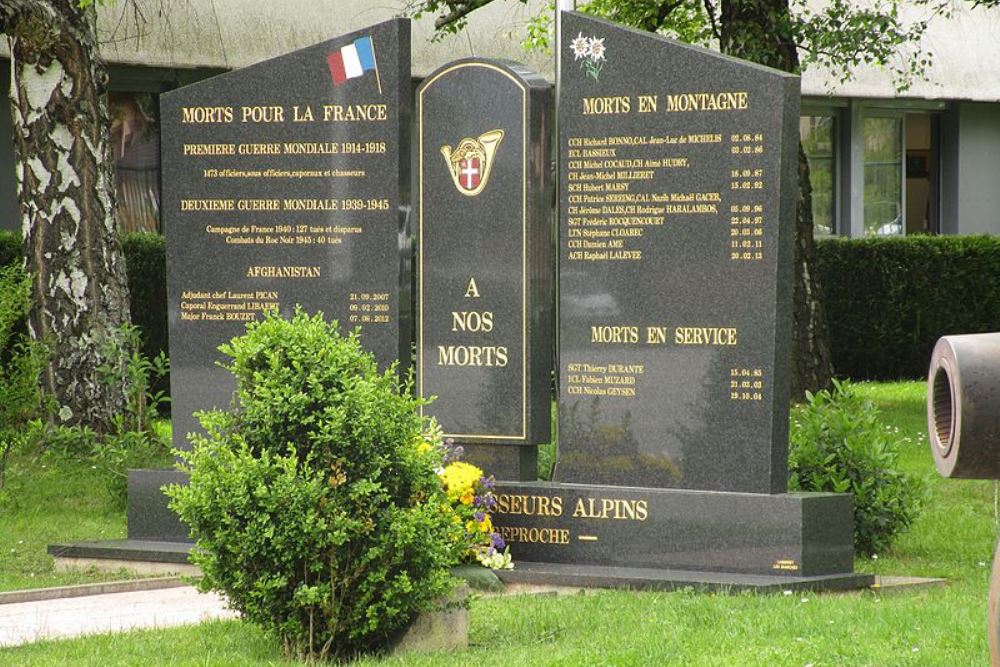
[837, 35]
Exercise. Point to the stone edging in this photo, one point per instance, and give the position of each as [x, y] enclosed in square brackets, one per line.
[57, 592]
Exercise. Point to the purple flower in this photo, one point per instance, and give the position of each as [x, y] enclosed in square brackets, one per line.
[451, 451]
[487, 482]
[497, 540]
[479, 516]
[490, 502]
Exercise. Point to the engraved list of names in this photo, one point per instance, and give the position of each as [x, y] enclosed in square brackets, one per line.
[674, 250]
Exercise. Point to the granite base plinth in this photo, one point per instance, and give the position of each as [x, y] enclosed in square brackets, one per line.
[786, 535]
[633, 578]
[148, 551]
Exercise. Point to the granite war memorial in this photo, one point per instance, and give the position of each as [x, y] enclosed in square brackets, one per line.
[287, 184]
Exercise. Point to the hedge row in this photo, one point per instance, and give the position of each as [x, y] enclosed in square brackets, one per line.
[888, 300]
[146, 263]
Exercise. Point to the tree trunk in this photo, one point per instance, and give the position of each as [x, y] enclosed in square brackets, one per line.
[758, 30]
[65, 191]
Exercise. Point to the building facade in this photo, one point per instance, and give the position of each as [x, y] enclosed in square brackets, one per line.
[883, 162]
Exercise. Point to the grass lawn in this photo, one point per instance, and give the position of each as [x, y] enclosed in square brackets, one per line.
[939, 626]
[52, 499]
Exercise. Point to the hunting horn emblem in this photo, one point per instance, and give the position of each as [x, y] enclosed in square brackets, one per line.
[471, 162]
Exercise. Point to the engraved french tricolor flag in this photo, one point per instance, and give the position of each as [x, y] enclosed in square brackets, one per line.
[353, 60]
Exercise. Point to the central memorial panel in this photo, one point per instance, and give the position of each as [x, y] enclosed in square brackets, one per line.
[484, 270]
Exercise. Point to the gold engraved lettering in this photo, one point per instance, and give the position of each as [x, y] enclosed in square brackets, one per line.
[606, 105]
[724, 101]
[472, 355]
[283, 272]
[340, 113]
[470, 320]
[263, 114]
[206, 114]
[302, 117]
[611, 508]
[207, 205]
[529, 505]
[705, 336]
[472, 291]
[209, 149]
[656, 335]
[535, 535]
[614, 334]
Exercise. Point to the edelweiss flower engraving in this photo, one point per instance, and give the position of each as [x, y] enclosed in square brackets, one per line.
[590, 51]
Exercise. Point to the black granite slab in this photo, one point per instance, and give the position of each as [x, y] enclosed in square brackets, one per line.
[793, 534]
[286, 183]
[632, 578]
[677, 196]
[485, 278]
[149, 517]
[147, 551]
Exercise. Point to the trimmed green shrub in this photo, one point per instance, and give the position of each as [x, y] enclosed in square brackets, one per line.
[838, 443]
[888, 300]
[10, 248]
[315, 503]
[146, 263]
[21, 363]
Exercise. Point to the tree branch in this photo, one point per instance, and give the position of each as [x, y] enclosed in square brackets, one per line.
[665, 9]
[710, 10]
[459, 12]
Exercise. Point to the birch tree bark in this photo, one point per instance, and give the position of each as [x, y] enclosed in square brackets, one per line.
[65, 191]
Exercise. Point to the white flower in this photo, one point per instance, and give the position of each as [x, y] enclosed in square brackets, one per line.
[596, 48]
[580, 46]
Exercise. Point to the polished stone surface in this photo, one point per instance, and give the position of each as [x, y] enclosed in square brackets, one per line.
[331, 156]
[634, 578]
[792, 534]
[483, 197]
[153, 551]
[149, 517]
[675, 259]
[515, 463]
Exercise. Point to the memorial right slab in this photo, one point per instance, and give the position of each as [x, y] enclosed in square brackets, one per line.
[676, 222]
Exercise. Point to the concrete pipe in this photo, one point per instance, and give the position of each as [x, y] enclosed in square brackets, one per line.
[963, 406]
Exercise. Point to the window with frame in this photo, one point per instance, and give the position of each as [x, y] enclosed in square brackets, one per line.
[817, 136]
[883, 170]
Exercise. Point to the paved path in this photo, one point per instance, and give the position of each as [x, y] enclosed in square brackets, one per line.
[25, 622]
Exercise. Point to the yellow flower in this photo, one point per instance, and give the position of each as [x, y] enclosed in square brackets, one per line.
[486, 525]
[466, 498]
[424, 446]
[460, 478]
[470, 526]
